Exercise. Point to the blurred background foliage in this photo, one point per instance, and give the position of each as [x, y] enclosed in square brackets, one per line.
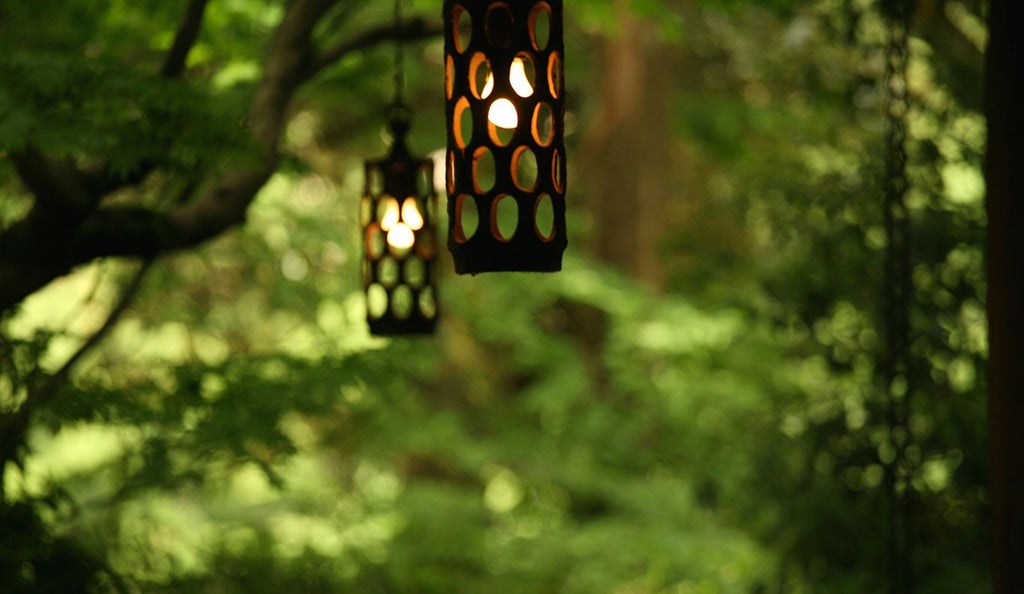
[691, 407]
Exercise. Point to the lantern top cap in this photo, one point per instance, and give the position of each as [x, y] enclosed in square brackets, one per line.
[399, 122]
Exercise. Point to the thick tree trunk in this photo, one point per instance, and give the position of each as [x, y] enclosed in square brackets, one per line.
[1003, 104]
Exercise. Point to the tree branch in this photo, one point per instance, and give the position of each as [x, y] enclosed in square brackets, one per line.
[407, 30]
[29, 259]
[100, 179]
[48, 389]
[284, 70]
[57, 185]
[184, 39]
[34, 251]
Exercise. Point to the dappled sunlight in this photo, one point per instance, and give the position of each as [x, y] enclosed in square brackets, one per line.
[75, 451]
[163, 538]
[503, 491]
[70, 308]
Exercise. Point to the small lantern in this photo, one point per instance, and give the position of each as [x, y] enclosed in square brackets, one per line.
[399, 240]
[505, 170]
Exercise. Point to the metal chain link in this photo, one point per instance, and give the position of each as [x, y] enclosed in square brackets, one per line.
[898, 295]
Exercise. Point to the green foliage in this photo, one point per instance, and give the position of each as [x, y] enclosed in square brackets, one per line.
[81, 85]
[240, 431]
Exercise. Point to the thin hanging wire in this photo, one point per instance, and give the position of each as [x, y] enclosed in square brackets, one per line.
[898, 293]
[399, 57]
[399, 116]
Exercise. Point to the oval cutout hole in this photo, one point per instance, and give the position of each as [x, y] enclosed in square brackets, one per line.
[504, 217]
[542, 128]
[462, 122]
[555, 75]
[524, 169]
[374, 241]
[467, 218]
[387, 212]
[387, 271]
[540, 25]
[500, 136]
[557, 173]
[401, 302]
[499, 25]
[462, 33]
[401, 240]
[522, 76]
[483, 170]
[481, 79]
[376, 301]
[544, 218]
[449, 174]
[428, 305]
[412, 213]
[415, 272]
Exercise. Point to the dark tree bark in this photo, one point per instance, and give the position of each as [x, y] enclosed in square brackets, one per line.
[1004, 101]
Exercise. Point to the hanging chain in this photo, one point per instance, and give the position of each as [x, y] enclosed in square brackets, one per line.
[898, 294]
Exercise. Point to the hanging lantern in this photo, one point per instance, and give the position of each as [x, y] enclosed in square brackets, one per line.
[399, 240]
[505, 170]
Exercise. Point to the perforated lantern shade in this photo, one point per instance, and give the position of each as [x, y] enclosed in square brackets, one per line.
[505, 169]
[399, 242]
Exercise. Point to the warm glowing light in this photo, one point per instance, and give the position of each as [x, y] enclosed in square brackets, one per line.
[411, 215]
[502, 112]
[488, 86]
[517, 76]
[390, 217]
[401, 236]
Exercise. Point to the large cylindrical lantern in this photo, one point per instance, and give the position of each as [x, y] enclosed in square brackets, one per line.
[397, 214]
[505, 106]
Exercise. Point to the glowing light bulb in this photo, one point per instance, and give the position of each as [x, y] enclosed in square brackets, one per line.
[390, 217]
[401, 236]
[411, 215]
